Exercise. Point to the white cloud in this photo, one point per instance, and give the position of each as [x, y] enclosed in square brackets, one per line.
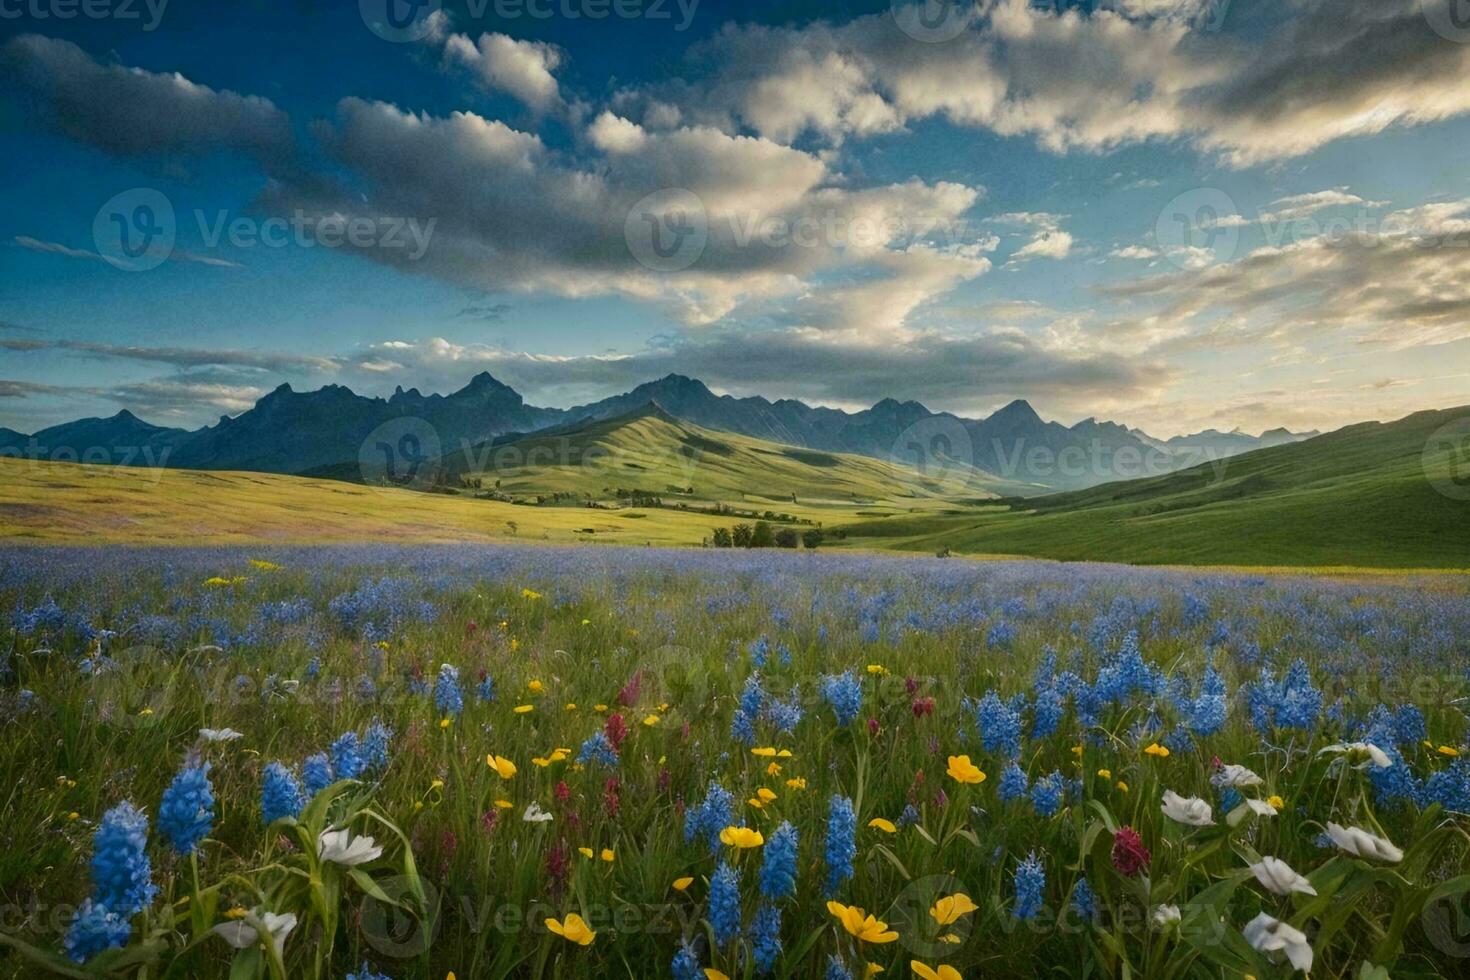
[1072, 80]
[522, 68]
[134, 112]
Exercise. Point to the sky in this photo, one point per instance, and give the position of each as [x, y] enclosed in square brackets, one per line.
[1176, 214]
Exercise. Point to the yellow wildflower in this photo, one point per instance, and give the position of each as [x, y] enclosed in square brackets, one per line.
[948, 909]
[860, 925]
[572, 929]
[962, 770]
[741, 837]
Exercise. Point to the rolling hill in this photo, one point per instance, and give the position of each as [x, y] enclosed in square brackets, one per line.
[66, 503]
[1390, 495]
[648, 451]
[329, 429]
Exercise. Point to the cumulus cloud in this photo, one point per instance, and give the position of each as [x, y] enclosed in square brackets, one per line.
[512, 214]
[1404, 282]
[499, 62]
[134, 112]
[1129, 72]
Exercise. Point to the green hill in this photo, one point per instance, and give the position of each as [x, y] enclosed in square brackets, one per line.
[650, 452]
[1367, 495]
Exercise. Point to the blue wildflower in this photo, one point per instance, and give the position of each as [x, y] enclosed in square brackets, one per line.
[741, 728]
[752, 697]
[841, 842]
[724, 904]
[1013, 783]
[844, 692]
[447, 696]
[1450, 788]
[1046, 795]
[785, 715]
[1030, 881]
[375, 744]
[280, 794]
[122, 876]
[778, 867]
[836, 969]
[93, 929]
[1084, 900]
[1000, 727]
[316, 772]
[1000, 637]
[712, 816]
[597, 749]
[765, 937]
[366, 972]
[1046, 713]
[686, 963]
[347, 761]
[186, 813]
[486, 689]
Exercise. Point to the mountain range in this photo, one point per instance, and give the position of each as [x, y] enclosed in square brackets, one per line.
[322, 431]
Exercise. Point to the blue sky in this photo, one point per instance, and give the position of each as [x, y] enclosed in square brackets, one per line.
[1176, 213]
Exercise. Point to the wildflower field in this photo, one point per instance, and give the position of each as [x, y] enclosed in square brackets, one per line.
[497, 761]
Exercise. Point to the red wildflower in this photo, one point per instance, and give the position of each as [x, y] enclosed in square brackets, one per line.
[911, 685]
[616, 730]
[873, 726]
[558, 865]
[923, 706]
[610, 800]
[628, 696]
[562, 791]
[1129, 854]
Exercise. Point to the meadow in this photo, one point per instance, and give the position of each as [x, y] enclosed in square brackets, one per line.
[500, 760]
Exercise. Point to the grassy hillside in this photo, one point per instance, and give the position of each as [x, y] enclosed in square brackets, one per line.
[652, 452]
[67, 503]
[1365, 495]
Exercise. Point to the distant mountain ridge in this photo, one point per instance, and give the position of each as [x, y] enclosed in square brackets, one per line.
[323, 430]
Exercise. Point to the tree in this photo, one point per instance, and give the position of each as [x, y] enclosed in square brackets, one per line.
[762, 536]
[740, 535]
[786, 537]
[812, 539]
[722, 538]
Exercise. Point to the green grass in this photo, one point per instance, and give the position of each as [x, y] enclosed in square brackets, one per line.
[645, 638]
[652, 452]
[1362, 496]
